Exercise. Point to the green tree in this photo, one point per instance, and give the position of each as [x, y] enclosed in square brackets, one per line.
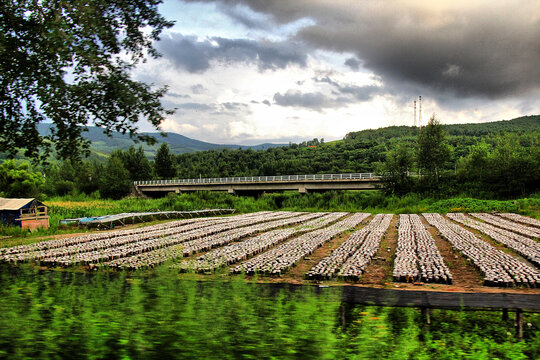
[88, 176]
[18, 180]
[136, 162]
[395, 170]
[69, 62]
[60, 179]
[433, 150]
[115, 182]
[163, 163]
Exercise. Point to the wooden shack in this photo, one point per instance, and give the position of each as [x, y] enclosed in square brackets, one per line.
[26, 213]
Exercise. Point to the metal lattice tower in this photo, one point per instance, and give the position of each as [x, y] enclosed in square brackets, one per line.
[414, 113]
[420, 112]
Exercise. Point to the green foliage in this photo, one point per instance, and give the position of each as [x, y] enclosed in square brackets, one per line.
[481, 163]
[18, 180]
[137, 164]
[433, 151]
[396, 169]
[60, 179]
[509, 167]
[163, 163]
[156, 315]
[115, 182]
[71, 177]
[69, 62]
[438, 149]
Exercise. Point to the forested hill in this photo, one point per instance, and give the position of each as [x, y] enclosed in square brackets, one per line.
[101, 144]
[361, 151]
[519, 125]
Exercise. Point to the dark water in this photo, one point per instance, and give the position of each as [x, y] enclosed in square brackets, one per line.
[54, 315]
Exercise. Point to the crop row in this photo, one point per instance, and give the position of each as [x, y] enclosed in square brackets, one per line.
[52, 244]
[498, 268]
[118, 248]
[356, 264]
[156, 257]
[330, 265]
[279, 259]
[508, 225]
[521, 219]
[90, 242]
[243, 250]
[105, 242]
[524, 246]
[417, 256]
[210, 242]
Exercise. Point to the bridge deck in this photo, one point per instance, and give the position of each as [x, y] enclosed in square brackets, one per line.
[301, 183]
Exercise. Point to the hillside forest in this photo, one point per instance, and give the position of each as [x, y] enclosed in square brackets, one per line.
[497, 160]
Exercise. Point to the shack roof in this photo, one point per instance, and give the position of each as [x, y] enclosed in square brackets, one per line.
[13, 204]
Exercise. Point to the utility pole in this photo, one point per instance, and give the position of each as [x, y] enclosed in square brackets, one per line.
[414, 113]
[420, 112]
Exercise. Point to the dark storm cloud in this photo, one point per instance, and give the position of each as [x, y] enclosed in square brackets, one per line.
[314, 100]
[195, 56]
[359, 93]
[239, 14]
[353, 63]
[482, 49]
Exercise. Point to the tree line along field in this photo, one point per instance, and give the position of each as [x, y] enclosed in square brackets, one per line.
[499, 160]
[469, 251]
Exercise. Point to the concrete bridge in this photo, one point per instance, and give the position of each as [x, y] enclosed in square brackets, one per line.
[255, 185]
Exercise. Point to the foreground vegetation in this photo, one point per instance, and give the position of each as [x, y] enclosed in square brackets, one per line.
[158, 315]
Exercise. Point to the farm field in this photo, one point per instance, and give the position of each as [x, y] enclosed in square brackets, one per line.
[479, 252]
[235, 286]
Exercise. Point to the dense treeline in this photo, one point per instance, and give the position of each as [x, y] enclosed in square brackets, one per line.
[362, 151]
[494, 160]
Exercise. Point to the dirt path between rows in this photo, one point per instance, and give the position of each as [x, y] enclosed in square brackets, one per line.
[379, 271]
[464, 274]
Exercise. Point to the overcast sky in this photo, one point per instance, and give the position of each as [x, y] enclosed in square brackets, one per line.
[248, 72]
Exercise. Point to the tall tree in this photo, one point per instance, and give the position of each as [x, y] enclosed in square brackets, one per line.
[163, 163]
[433, 150]
[396, 168]
[115, 182]
[136, 162]
[61, 178]
[69, 62]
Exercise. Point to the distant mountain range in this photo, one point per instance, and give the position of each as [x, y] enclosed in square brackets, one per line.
[102, 144]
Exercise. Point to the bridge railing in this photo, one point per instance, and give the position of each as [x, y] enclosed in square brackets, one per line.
[255, 179]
